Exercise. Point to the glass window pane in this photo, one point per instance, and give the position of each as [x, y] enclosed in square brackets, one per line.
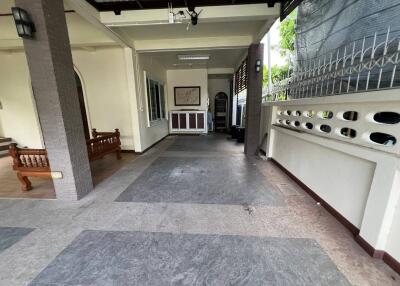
[157, 96]
[153, 95]
[148, 98]
[162, 101]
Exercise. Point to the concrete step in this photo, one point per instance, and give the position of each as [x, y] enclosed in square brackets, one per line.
[4, 140]
[4, 145]
[4, 153]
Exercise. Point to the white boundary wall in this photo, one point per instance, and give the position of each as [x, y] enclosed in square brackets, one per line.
[359, 178]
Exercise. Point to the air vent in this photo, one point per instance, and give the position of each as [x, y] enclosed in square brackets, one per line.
[325, 128]
[350, 115]
[348, 132]
[309, 113]
[308, 125]
[326, 114]
[382, 139]
[387, 117]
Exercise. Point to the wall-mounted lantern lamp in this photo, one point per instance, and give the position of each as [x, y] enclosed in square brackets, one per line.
[258, 66]
[23, 22]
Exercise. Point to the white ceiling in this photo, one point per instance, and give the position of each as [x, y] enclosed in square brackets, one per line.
[176, 31]
[219, 58]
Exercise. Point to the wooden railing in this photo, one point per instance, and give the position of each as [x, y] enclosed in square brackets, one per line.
[35, 163]
[29, 158]
[103, 143]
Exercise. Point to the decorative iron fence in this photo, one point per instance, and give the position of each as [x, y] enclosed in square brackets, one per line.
[371, 63]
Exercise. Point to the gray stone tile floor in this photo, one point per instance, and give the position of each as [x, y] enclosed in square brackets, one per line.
[203, 180]
[216, 143]
[11, 235]
[142, 258]
[297, 226]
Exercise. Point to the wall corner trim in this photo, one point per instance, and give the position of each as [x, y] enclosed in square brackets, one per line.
[378, 254]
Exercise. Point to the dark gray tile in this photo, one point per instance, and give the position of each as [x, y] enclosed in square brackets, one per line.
[11, 235]
[224, 180]
[138, 258]
[206, 143]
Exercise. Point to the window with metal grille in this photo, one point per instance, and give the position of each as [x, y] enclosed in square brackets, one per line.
[241, 77]
[155, 100]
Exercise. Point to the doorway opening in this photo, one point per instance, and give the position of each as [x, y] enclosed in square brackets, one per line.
[221, 112]
[82, 106]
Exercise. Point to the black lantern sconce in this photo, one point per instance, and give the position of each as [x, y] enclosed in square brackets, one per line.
[23, 22]
[258, 66]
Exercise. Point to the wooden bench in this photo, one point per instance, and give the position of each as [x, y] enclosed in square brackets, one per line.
[35, 163]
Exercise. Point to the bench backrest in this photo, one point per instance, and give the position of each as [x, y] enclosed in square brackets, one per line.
[103, 143]
[29, 159]
[36, 160]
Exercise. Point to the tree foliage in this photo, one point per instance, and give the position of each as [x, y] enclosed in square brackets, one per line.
[287, 33]
[278, 73]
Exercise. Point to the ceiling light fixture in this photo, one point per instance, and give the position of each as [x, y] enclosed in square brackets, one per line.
[23, 22]
[185, 64]
[193, 57]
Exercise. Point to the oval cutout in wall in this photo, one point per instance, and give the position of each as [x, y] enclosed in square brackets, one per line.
[297, 113]
[382, 138]
[279, 121]
[325, 128]
[288, 112]
[309, 126]
[348, 132]
[350, 115]
[296, 123]
[326, 114]
[309, 113]
[387, 117]
[287, 122]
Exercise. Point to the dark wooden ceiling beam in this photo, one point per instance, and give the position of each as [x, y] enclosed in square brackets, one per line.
[139, 4]
[118, 6]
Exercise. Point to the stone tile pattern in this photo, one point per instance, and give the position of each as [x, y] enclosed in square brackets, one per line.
[52, 75]
[217, 143]
[225, 180]
[139, 258]
[60, 222]
[11, 235]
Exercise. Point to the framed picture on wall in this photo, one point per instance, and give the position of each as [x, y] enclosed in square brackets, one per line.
[187, 95]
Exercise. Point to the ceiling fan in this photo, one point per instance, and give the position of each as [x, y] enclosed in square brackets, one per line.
[194, 16]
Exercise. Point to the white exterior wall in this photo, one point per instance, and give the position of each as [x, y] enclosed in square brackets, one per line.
[104, 83]
[150, 132]
[104, 80]
[359, 179]
[18, 116]
[393, 243]
[341, 180]
[189, 77]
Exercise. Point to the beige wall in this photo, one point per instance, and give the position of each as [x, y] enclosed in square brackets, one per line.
[104, 82]
[150, 132]
[189, 77]
[106, 94]
[18, 116]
